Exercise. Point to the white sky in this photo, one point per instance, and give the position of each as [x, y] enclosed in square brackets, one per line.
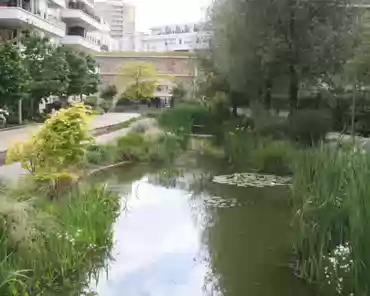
[151, 13]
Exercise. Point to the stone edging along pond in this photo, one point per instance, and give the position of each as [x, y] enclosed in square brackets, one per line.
[107, 167]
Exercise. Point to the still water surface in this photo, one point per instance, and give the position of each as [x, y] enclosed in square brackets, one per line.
[196, 238]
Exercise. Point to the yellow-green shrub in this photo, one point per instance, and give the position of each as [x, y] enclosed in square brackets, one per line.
[58, 146]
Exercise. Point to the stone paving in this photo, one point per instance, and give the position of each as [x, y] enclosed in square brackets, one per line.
[9, 137]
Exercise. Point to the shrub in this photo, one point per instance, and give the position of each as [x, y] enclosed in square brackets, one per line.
[183, 117]
[143, 125]
[246, 149]
[58, 145]
[57, 149]
[164, 149]
[101, 154]
[273, 157]
[219, 108]
[309, 127]
[109, 92]
[133, 147]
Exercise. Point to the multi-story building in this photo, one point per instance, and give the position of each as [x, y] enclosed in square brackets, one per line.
[70, 22]
[186, 37]
[121, 17]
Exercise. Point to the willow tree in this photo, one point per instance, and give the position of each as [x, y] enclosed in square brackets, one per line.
[256, 42]
[138, 79]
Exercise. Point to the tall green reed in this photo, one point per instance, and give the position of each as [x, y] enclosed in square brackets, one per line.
[331, 200]
[69, 244]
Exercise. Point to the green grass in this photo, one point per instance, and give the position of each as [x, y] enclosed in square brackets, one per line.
[53, 248]
[246, 150]
[332, 208]
[182, 117]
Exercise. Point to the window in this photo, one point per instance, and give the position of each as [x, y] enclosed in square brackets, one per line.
[180, 41]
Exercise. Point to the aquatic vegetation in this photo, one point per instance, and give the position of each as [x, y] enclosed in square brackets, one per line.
[332, 219]
[252, 180]
[245, 149]
[55, 247]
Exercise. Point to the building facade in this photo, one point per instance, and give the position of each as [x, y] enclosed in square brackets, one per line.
[74, 23]
[185, 37]
[121, 18]
[172, 69]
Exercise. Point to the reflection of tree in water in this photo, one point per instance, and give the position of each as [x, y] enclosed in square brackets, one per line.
[249, 244]
[245, 235]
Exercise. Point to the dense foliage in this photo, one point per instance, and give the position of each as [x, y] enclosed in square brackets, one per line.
[139, 80]
[57, 148]
[39, 70]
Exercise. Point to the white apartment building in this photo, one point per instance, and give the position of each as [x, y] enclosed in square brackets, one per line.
[185, 37]
[121, 18]
[70, 22]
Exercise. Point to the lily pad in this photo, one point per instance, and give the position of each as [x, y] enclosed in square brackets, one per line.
[253, 180]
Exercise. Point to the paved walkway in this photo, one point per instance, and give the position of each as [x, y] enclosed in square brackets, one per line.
[9, 137]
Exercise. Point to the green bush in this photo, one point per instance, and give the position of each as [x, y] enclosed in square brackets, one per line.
[183, 117]
[309, 127]
[101, 154]
[219, 108]
[273, 157]
[165, 149]
[133, 147]
[246, 149]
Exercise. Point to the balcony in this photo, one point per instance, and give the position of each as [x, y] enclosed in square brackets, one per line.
[80, 43]
[82, 15]
[57, 3]
[18, 15]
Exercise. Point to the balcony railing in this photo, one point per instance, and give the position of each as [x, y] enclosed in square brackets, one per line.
[25, 13]
[85, 8]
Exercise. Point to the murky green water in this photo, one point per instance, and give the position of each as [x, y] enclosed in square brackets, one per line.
[198, 239]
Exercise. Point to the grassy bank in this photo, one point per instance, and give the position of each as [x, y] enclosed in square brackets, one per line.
[55, 233]
[145, 142]
[54, 247]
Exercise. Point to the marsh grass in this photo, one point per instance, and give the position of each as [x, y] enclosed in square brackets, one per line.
[247, 150]
[54, 248]
[331, 201]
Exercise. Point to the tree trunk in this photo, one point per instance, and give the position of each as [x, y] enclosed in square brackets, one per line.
[267, 95]
[293, 89]
[353, 113]
[235, 109]
[293, 75]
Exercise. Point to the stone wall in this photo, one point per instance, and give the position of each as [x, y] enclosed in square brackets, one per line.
[176, 68]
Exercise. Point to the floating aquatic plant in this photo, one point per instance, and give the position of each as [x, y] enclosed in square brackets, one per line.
[252, 180]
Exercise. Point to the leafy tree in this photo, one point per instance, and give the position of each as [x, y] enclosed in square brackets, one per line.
[48, 69]
[14, 77]
[109, 92]
[178, 93]
[256, 42]
[139, 80]
[78, 71]
[93, 78]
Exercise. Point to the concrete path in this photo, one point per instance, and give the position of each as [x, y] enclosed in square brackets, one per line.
[9, 137]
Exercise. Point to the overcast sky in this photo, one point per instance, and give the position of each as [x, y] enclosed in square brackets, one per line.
[152, 13]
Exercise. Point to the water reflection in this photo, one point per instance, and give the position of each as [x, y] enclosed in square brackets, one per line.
[195, 238]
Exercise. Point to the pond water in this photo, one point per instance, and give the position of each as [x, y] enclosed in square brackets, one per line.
[192, 237]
